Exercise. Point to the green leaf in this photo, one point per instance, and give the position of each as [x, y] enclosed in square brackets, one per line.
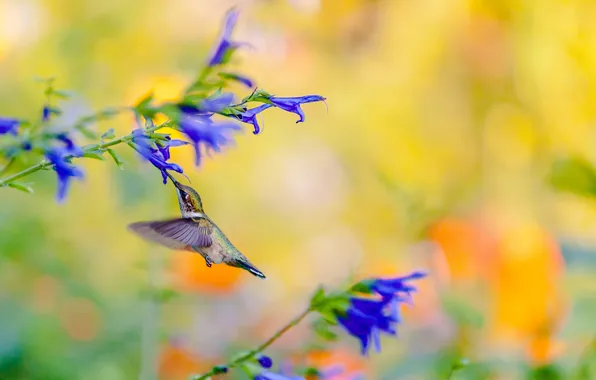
[108, 135]
[258, 96]
[86, 132]
[159, 136]
[145, 102]
[329, 316]
[574, 175]
[549, 371]
[21, 186]
[171, 111]
[97, 155]
[311, 371]
[463, 362]
[323, 331]
[116, 158]
[61, 94]
[145, 108]
[362, 287]
[318, 299]
[339, 302]
[108, 112]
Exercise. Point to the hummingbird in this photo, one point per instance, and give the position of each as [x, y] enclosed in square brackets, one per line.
[194, 232]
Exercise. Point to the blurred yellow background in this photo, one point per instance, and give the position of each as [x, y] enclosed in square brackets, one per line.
[443, 120]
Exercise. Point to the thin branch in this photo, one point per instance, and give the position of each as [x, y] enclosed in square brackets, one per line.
[250, 355]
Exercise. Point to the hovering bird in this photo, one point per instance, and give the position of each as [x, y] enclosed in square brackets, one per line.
[194, 232]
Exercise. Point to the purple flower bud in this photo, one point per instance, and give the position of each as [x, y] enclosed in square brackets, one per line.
[265, 361]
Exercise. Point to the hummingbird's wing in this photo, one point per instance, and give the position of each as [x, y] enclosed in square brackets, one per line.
[181, 233]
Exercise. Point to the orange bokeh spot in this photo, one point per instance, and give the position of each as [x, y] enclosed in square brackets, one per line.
[528, 301]
[350, 363]
[465, 245]
[192, 274]
[543, 348]
[80, 318]
[177, 364]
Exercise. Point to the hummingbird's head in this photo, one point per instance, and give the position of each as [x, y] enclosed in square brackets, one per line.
[188, 199]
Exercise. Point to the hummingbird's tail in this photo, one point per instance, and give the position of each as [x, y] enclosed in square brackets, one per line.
[246, 265]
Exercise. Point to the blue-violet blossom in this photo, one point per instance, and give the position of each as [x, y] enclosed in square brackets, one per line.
[268, 375]
[215, 103]
[226, 46]
[157, 153]
[201, 130]
[292, 104]
[366, 318]
[250, 116]
[64, 169]
[8, 125]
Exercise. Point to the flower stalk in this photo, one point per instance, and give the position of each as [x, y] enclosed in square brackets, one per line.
[252, 354]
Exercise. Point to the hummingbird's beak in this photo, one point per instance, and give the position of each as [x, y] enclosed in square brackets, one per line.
[176, 183]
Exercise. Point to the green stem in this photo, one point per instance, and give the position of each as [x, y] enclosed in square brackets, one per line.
[203, 75]
[91, 148]
[250, 355]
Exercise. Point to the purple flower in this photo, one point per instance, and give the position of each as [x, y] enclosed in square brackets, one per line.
[265, 361]
[157, 153]
[250, 116]
[388, 287]
[70, 147]
[268, 375]
[201, 130]
[366, 318]
[337, 371]
[216, 102]
[64, 169]
[224, 49]
[46, 113]
[292, 104]
[164, 146]
[8, 125]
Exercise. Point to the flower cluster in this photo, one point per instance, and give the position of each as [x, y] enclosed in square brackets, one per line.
[369, 308]
[156, 151]
[206, 115]
[367, 318]
[366, 310]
